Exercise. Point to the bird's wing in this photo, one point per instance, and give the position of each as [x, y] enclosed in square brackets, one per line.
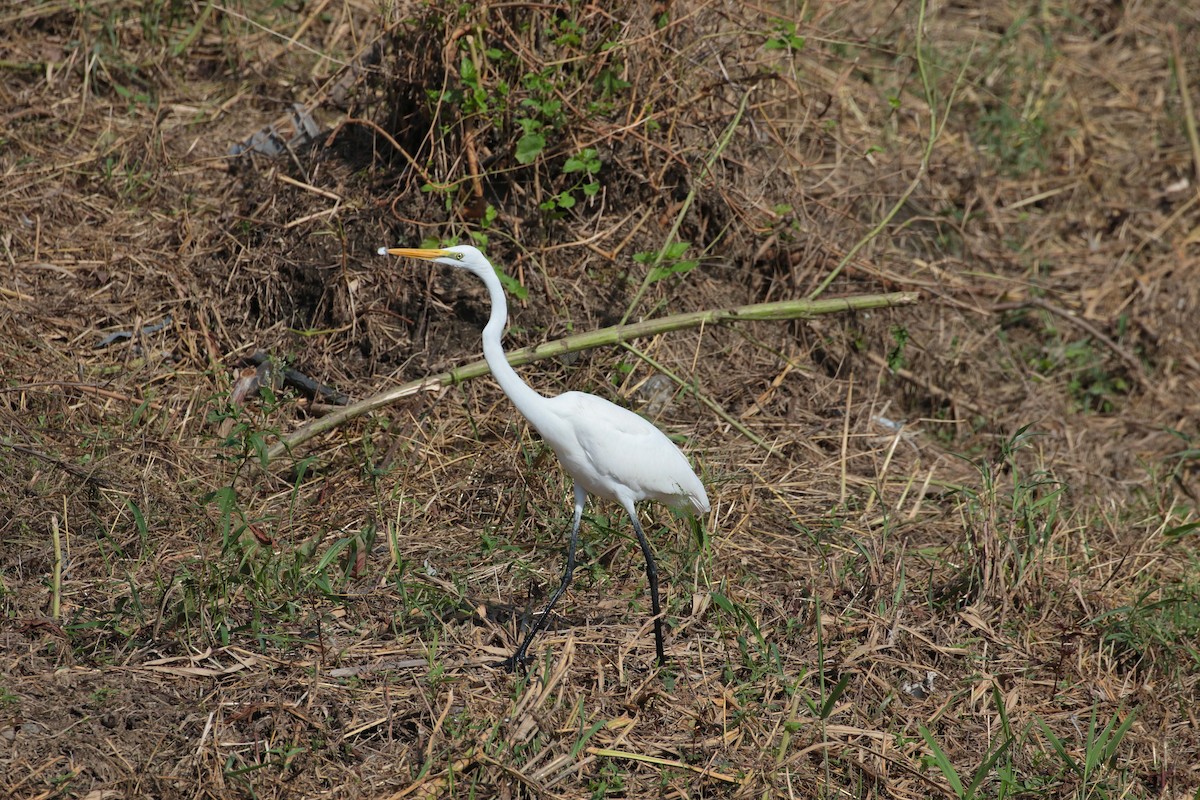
[617, 454]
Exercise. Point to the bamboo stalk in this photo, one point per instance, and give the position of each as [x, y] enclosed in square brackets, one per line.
[759, 312]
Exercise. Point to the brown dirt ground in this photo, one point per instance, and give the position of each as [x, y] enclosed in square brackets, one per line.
[993, 486]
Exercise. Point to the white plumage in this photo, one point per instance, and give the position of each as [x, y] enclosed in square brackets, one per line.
[620, 456]
[608, 451]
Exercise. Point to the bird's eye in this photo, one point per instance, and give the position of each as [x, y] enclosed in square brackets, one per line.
[459, 256]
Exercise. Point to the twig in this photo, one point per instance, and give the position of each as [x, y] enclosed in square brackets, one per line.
[66, 466]
[759, 312]
[713, 405]
[473, 163]
[15, 294]
[1130, 360]
[289, 41]
[916, 380]
[935, 131]
[85, 388]
[1185, 97]
[412, 162]
[56, 588]
[304, 383]
[308, 187]
[666, 762]
[435, 787]
[722, 143]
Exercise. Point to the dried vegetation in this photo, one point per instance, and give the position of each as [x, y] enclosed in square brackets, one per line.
[952, 550]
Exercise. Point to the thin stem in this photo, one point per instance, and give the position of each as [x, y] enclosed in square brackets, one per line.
[712, 404]
[722, 143]
[56, 587]
[935, 130]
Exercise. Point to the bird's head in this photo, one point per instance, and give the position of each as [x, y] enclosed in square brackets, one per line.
[463, 256]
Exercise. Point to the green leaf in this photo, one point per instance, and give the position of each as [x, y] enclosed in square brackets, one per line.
[511, 285]
[1059, 747]
[529, 125]
[1181, 530]
[942, 761]
[589, 733]
[834, 695]
[258, 441]
[467, 72]
[331, 554]
[675, 250]
[678, 268]
[587, 161]
[529, 147]
[139, 520]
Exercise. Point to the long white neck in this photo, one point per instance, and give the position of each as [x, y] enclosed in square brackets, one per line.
[527, 401]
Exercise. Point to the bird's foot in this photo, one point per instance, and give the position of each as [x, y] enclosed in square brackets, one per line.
[514, 661]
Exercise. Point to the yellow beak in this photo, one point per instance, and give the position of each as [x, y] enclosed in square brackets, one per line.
[408, 252]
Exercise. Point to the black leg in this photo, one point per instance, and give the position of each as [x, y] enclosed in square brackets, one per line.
[521, 656]
[652, 577]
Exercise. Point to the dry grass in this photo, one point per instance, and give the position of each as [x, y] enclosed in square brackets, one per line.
[996, 487]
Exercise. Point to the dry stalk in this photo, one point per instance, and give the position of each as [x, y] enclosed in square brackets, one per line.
[56, 584]
[617, 334]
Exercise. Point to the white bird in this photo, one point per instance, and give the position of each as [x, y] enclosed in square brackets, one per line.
[608, 451]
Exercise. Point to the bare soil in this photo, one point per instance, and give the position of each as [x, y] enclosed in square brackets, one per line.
[942, 532]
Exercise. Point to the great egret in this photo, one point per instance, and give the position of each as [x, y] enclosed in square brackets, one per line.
[608, 451]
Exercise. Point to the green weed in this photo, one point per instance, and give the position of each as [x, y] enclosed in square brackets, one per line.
[1098, 772]
[666, 262]
[588, 165]
[983, 773]
[1011, 520]
[1091, 383]
[610, 782]
[1160, 629]
[783, 36]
